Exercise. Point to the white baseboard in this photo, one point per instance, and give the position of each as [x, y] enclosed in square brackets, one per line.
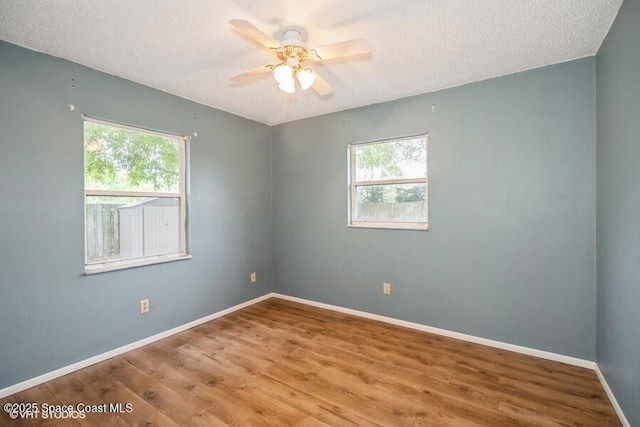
[115, 352]
[612, 398]
[484, 341]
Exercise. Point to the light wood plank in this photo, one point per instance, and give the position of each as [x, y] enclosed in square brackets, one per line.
[283, 363]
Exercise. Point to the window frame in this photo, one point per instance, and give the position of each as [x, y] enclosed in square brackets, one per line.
[354, 184]
[181, 195]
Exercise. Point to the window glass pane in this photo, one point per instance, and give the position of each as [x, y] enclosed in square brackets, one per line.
[119, 159]
[131, 227]
[404, 158]
[392, 203]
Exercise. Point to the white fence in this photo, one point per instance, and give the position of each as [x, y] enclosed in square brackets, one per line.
[116, 231]
[103, 240]
[407, 211]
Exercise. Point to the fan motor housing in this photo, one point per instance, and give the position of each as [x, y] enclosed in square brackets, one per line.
[293, 37]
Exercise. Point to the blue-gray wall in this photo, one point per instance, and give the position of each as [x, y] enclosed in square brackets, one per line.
[618, 213]
[50, 314]
[510, 251]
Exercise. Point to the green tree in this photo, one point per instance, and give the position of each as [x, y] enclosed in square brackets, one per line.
[122, 159]
[377, 161]
[411, 193]
[372, 194]
[387, 161]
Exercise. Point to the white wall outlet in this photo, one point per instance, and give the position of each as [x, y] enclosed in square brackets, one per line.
[386, 288]
[253, 277]
[144, 305]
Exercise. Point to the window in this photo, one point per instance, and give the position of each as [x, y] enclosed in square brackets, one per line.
[134, 183]
[388, 184]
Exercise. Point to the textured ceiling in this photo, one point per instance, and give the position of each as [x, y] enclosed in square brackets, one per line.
[187, 47]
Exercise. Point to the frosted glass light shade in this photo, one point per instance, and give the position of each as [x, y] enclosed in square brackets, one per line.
[306, 77]
[283, 73]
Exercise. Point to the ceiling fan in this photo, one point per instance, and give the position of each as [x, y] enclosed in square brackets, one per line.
[294, 57]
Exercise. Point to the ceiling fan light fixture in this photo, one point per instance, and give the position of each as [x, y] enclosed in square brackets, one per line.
[292, 37]
[288, 86]
[293, 54]
[306, 77]
[283, 73]
[293, 61]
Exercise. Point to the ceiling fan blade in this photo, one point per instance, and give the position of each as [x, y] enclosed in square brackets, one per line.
[250, 74]
[339, 50]
[248, 30]
[321, 86]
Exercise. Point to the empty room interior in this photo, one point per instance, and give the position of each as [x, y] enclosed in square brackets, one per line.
[378, 213]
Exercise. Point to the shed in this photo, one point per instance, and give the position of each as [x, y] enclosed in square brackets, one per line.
[150, 227]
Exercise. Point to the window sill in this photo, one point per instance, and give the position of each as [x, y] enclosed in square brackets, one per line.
[133, 263]
[417, 226]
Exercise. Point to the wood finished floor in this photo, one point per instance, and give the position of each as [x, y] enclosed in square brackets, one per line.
[279, 363]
